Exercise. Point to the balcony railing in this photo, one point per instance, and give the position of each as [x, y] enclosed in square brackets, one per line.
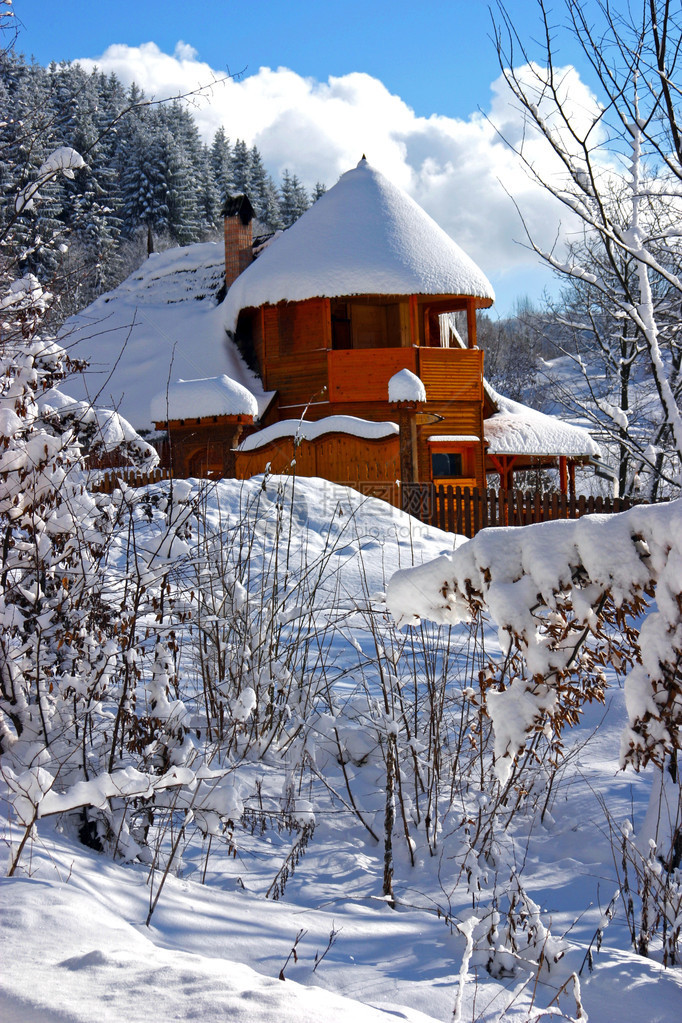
[362, 374]
[450, 374]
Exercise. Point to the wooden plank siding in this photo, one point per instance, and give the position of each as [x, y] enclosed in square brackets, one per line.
[296, 339]
[448, 374]
[340, 457]
[453, 379]
[363, 375]
[258, 335]
[298, 380]
[451, 374]
[312, 379]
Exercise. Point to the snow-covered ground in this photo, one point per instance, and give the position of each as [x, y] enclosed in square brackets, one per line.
[75, 946]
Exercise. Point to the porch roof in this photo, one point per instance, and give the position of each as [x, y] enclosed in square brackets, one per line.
[209, 396]
[516, 429]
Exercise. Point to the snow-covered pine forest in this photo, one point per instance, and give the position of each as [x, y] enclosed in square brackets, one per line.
[148, 181]
[272, 750]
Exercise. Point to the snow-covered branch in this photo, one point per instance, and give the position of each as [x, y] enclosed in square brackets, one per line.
[62, 161]
[616, 169]
[548, 588]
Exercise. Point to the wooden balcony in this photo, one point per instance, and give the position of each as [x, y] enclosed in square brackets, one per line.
[448, 374]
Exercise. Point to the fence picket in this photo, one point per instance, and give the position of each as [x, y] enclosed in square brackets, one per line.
[467, 510]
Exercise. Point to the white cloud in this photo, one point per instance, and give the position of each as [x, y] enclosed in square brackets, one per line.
[183, 51]
[459, 170]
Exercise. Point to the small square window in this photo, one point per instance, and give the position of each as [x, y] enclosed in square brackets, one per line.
[446, 463]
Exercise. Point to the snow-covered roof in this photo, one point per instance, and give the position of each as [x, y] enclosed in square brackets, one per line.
[364, 236]
[310, 431]
[454, 438]
[163, 322]
[209, 396]
[518, 430]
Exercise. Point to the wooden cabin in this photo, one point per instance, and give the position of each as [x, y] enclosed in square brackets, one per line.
[360, 321]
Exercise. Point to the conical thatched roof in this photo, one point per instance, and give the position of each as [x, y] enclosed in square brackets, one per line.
[364, 236]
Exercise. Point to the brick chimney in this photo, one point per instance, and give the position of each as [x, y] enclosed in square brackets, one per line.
[238, 214]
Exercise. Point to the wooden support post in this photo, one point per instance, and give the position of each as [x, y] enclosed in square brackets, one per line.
[407, 422]
[510, 459]
[504, 465]
[471, 324]
[413, 444]
[499, 466]
[414, 320]
[571, 479]
[563, 475]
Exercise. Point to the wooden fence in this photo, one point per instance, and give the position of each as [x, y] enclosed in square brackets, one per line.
[462, 510]
[466, 511]
[105, 481]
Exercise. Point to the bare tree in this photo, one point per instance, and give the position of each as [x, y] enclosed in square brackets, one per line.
[606, 350]
[617, 170]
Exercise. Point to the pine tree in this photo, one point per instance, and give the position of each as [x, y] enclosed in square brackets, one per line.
[294, 199]
[147, 175]
[270, 213]
[241, 168]
[184, 220]
[209, 205]
[258, 193]
[221, 164]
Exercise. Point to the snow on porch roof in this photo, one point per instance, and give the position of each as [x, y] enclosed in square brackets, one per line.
[518, 430]
[365, 236]
[209, 396]
[302, 429]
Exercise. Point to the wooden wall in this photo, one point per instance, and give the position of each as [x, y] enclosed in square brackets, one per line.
[339, 457]
[293, 344]
[296, 336]
[204, 447]
[452, 374]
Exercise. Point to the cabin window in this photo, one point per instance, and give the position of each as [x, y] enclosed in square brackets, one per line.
[446, 463]
[453, 459]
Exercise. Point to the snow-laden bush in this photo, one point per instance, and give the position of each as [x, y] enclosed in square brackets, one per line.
[570, 599]
[57, 647]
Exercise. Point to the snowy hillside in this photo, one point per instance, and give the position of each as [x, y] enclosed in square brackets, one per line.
[304, 865]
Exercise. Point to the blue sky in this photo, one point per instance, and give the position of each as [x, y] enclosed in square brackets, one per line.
[436, 55]
[415, 87]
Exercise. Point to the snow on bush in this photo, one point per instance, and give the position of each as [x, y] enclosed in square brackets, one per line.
[549, 589]
[64, 160]
[571, 601]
